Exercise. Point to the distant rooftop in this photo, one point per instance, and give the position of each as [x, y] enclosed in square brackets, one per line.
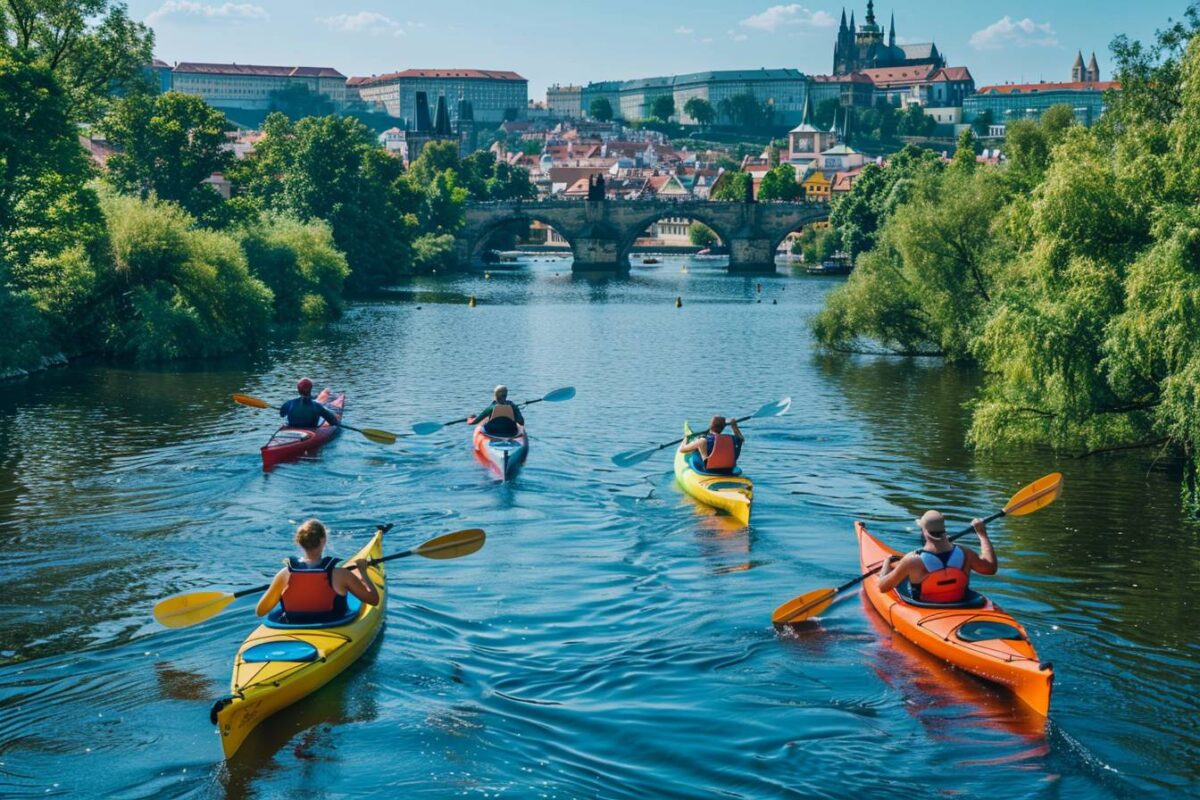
[257, 69]
[462, 74]
[1032, 88]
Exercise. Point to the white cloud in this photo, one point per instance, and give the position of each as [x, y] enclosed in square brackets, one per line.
[190, 8]
[1018, 33]
[685, 31]
[777, 17]
[363, 22]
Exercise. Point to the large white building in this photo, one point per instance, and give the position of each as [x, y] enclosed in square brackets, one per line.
[494, 95]
[565, 101]
[251, 86]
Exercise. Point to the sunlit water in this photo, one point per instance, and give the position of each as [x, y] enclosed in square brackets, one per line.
[613, 638]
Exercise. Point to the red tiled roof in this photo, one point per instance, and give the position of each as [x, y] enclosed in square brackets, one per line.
[952, 74]
[1029, 88]
[464, 74]
[259, 70]
[895, 75]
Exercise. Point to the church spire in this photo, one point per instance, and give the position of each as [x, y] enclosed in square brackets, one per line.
[892, 31]
[842, 28]
[870, 12]
[1093, 69]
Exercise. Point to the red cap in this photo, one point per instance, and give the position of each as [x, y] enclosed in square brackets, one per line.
[304, 387]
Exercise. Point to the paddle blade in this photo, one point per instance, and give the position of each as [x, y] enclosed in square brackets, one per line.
[631, 457]
[775, 409]
[253, 402]
[1035, 496]
[803, 607]
[452, 545]
[184, 610]
[378, 436]
[426, 428]
[559, 395]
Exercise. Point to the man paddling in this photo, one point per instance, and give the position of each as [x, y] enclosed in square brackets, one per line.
[719, 451]
[940, 571]
[502, 417]
[314, 588]
[303, 411]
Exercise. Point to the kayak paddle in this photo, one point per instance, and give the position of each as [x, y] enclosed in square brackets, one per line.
[375, 435]
[191, 608]
[1033, 497]
[557, 396]
[631, 457]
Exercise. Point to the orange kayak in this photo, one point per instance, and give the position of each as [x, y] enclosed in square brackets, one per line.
[975, 636]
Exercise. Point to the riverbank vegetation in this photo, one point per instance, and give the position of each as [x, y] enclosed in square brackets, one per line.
[142, 257]
[1071, 274]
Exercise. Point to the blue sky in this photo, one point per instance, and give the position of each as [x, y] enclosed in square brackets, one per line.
[574, 42]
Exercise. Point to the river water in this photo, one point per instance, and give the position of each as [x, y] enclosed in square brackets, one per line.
[613, 638]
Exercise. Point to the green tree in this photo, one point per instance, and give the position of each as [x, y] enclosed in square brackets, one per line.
[701, 235]
[51, 228]
[780, 184]
[331, 168]
[825, 112]
[915, 122]
[745, 111]
[964, 152]
[600, 109]
[1055, 120]
[89, 46]
[732, 187]
[983, 122]
[663, 107]
[168, 144]
[700, 110]
[300, 263]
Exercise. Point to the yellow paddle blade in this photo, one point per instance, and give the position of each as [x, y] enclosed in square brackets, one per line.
[247, 400]
[184, 610]
[453, 545]
[803, 607]
[1036, 495]
[378, 436]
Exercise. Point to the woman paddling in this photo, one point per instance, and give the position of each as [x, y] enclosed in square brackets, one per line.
[314, 588]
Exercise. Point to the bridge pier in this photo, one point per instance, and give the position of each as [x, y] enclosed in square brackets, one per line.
[751, 254]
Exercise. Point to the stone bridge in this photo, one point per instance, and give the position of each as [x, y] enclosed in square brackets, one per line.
[602, 232]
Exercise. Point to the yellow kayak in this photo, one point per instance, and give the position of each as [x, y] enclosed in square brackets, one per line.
[279, 664]
[731, 493]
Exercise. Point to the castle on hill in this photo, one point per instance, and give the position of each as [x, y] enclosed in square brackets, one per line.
[864, 47]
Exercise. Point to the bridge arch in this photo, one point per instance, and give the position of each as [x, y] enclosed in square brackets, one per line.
[477, 235]
[786, 224]
[640, 224]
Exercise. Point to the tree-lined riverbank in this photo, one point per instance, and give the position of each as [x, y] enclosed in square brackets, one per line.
[1070, 273]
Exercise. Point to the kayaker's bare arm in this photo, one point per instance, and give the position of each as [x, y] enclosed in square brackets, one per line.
[699, 443]
[271, 596]
[736, 430]
[357, 581]
[895, 570]
[985, 562]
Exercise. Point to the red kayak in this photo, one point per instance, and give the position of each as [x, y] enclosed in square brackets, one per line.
[289, 443]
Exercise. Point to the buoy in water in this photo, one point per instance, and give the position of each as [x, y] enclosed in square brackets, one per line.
[471, 301]
[679, 302]
[774, 302]
[487, 276]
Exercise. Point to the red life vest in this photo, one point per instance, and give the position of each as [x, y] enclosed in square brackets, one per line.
[723, 454]
[309, 588]
[947, 580]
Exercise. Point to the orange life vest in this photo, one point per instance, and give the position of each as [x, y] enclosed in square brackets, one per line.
[502, 410]
[309, 588]
[722, 454]
[947, 580]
